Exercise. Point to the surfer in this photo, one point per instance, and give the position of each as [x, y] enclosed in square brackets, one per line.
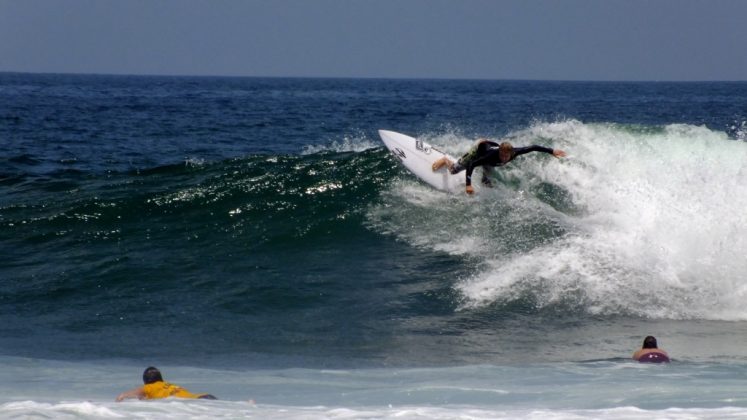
[650, 353]
[156, 388]
[489, 154]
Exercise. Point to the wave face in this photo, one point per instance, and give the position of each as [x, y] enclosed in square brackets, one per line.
[262, 222]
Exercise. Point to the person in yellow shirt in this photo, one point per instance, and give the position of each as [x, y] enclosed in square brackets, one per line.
[155, 387]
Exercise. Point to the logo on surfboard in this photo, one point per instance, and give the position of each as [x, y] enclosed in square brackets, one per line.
[399, 153]
[425, 149]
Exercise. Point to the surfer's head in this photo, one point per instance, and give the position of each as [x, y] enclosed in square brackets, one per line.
[151, 375]
[505, 152]
[649, 342]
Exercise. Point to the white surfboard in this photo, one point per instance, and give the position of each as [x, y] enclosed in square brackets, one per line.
[418, 156]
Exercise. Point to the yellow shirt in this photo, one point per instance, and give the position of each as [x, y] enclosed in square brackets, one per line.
[164, 390]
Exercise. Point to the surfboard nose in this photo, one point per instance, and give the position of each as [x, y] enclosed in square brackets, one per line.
[387, 136]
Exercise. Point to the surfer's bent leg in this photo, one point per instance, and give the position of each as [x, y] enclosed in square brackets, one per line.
[456, 167]
[462, 163]
[474, 152]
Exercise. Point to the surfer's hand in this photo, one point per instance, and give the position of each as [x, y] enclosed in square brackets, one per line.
[470, 189]
[558, 153]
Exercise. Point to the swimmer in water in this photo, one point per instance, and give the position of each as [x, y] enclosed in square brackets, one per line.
[489, 154]
[155, 387]
[650, 352]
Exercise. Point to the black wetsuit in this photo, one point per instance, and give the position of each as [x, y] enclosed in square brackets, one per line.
[486, 154]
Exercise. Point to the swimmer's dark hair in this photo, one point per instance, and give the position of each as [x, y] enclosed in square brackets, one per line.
[151, 375]
[649, 342]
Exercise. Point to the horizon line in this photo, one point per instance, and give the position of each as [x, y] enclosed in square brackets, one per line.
[401, 78]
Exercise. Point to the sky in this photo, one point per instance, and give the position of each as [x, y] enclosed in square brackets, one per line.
[653, 40]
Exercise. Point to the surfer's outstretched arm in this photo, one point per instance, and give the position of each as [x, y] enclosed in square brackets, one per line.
[133, 393]
[518, 151]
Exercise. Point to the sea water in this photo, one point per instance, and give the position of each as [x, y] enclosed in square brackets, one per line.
[253, 239]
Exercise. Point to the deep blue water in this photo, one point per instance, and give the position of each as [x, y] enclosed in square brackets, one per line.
[260, 222]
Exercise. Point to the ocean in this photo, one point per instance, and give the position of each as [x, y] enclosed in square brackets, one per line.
[253, 239]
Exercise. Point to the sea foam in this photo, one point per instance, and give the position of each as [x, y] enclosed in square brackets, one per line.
[644, 221]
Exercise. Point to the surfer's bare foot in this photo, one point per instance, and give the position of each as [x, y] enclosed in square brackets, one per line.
[440, 163]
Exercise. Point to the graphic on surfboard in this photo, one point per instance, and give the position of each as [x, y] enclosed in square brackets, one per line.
[418, 157]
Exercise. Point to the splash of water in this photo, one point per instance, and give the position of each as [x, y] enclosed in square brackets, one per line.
[356, 143]
[644, 221]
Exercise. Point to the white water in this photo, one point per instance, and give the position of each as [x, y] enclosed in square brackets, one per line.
[183, 410]
[615, 389]
[650, 222]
